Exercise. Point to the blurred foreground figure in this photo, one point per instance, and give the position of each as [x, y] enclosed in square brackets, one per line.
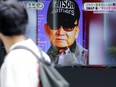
[20, 67]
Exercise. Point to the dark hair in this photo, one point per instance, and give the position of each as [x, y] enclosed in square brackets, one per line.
[13, 18]
[63, 12]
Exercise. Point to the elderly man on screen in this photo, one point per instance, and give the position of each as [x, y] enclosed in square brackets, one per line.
[62, 30]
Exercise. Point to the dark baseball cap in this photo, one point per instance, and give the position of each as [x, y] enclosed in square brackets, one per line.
[62, 12]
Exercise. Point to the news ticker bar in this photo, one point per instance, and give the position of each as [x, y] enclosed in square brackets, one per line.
[99, 6]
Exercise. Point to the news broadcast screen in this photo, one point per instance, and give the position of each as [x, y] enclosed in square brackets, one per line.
[50, 38]
[76, 32]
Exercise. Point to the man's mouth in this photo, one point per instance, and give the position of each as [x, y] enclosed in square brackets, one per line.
[61, 38]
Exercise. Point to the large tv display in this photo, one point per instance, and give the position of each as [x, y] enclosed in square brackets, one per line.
[96, 31]
[66, 14]
[88, 41]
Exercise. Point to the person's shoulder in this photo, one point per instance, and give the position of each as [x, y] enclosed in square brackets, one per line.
[19, 56]
[20, 59]
[83, 51]
[81, 48]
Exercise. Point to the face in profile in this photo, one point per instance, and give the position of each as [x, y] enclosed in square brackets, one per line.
[62, 36]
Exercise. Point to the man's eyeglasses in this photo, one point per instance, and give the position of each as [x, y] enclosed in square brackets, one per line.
[67, 28]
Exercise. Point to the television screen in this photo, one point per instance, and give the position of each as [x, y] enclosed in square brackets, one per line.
[60, 31]
[85, 39]
[95, 34]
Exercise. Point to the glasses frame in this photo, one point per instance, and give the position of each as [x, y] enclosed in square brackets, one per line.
[67, 29]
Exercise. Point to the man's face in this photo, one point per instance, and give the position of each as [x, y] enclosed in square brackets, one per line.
[62, 37]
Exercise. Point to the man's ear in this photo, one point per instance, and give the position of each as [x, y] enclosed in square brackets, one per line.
[77, 31]
[46, 29]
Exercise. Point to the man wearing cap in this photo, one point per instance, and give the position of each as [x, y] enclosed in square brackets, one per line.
[62, 29]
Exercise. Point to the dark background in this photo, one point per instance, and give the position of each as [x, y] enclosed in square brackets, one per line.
[89, 77]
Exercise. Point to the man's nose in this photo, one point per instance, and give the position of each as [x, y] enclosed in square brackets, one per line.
[61, 31]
